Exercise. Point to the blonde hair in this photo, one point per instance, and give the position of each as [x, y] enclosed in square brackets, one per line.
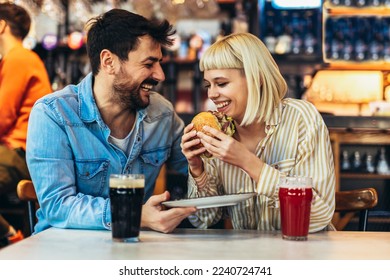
[266, 85]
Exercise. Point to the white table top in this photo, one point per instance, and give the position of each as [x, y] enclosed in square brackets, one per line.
[192, 244]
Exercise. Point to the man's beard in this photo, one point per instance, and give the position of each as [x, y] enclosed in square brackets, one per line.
[129, 96]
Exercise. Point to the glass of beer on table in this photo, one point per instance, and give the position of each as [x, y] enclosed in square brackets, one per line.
[126, 195]
[295, 198]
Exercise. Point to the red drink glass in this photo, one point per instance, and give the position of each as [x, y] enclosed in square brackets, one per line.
[295, 198]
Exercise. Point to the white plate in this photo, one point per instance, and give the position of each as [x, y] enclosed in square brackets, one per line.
[210, 201]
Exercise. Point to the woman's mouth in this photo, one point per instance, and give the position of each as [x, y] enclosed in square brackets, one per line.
[221, 105]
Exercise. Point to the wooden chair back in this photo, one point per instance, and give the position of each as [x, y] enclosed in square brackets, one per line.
[26, 192]
[358, 200]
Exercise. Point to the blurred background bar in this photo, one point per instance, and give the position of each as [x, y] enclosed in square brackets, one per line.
[333, 53]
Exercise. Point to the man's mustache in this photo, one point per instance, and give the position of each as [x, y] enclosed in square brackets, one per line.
[151, 81]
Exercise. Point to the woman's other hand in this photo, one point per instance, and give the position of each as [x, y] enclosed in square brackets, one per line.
[191, 150]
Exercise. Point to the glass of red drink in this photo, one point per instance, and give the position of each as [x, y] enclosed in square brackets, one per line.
[295, 198]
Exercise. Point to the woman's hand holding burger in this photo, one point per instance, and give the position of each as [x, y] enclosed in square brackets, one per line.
[220, 145]
[206, 138]
[192, 151]
[203, 136]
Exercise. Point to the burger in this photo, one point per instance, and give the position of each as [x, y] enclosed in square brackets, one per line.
[216, 120]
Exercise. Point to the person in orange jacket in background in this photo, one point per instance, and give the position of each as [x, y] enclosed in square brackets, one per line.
[23, 79]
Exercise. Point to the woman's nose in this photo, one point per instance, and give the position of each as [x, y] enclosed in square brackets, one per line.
[212, 93]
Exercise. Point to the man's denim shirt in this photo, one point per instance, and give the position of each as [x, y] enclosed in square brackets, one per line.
[70, 158]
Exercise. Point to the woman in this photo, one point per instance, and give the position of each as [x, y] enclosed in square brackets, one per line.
[273, 136]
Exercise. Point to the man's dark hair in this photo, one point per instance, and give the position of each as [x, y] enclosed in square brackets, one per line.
[17, 18]
[119, 30]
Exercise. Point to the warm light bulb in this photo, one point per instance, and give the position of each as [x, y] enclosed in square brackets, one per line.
[75, 40]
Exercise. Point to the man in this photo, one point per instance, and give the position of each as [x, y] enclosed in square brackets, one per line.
[23, 80]
[111, 122]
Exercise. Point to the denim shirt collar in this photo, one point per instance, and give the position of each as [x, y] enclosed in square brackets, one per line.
[88, 110]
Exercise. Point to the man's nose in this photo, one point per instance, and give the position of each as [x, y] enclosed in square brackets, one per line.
[158, 73]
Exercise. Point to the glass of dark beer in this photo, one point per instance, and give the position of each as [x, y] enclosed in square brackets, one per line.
[126, 195]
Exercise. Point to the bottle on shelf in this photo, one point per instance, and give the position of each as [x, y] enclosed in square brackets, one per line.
[383, 166]
[335, 2]
[347, 50]
[374, 3]
[385, 33]
[370, 164]
[345, 164]
[374, 50]
[386, 51]
[361, 40]
[297, 29]
[360, 3]
[375, 39]
[309, 39]
[183, 48]
[270, 36]
[328, 36]
[348, 3]
[296, 44]
[284, 40]
[357, 162]
[336, 44]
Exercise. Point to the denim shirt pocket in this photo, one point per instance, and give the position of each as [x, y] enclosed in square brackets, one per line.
[155, 158]
[91, 176]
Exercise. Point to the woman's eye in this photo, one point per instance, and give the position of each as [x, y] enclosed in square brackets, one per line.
[206, 86]
[222, 84]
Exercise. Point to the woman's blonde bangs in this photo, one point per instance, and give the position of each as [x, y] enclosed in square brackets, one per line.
[219, 56]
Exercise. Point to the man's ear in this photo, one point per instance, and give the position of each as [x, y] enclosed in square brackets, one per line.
[3, 25]
[107, 61]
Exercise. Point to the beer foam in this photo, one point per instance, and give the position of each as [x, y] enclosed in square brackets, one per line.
[127, 183]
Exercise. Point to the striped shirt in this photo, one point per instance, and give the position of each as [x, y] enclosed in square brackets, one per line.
[296, 143]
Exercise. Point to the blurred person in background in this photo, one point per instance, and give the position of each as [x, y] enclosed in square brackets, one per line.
[23, 80]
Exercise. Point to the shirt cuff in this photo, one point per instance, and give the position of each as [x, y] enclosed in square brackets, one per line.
[201, 180]
[268, 181]
[107, 215]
